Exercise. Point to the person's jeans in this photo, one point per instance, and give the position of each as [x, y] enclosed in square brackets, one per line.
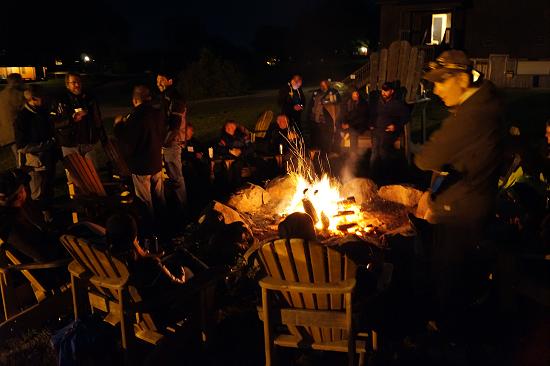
[149, 188]
[382, 145]
[42, 186]
[172, 163]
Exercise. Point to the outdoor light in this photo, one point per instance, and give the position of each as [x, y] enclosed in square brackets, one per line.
[86, 58]
[363, 50]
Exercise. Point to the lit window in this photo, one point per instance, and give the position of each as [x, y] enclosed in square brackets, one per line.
[441, 28]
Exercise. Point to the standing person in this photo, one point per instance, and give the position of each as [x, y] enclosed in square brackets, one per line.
[464, 155]
[292, 101]
[11, 102]
[174, 109]
[141, 136]
[77, 119]
[388, 115]
[324, 109]
[34, 139]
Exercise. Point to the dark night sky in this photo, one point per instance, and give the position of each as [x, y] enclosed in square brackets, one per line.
[233, 20]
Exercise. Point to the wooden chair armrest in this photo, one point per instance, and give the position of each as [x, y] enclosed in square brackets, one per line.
[342, 287]
[110, 283]
[76, 270]
[32, 266]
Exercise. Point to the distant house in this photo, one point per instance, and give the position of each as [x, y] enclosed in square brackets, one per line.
[30, 73]
[509, 40]
[520, 29]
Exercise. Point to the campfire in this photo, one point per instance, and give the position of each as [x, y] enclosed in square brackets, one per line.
[332, 214]
[355, 208]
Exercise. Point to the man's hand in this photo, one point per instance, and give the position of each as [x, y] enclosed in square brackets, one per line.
[119, 119]
[235, 152]
[298, 107]
[390, 128]
[78, 116]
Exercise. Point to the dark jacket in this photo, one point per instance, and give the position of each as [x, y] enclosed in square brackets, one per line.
[71, 133]
[239, 140]
[468, 143]
[383, 114]
[141, 138]
[324, 106]
[278, 136]
[288, 98]
[173, 107]
[33, 130]
[192, 147]
[356, 114]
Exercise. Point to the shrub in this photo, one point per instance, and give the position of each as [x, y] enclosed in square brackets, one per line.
[211, 76]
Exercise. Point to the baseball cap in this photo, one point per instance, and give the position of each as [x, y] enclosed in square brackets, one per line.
[449, 63]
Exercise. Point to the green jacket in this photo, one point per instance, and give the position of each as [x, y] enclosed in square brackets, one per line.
[469, 142]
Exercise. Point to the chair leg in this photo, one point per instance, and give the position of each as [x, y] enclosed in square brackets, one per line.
[123, 335]
[3, 291]
[74, 294]
[374, 341]
[267, 328]
[362, 358]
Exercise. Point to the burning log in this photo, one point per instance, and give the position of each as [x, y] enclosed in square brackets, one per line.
[344, 213]
[345, 227]
[310, 209]
[325, 221]
[348, 201]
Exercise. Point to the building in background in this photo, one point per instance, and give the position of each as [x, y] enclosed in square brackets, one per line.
[29, 73]
[480, 27]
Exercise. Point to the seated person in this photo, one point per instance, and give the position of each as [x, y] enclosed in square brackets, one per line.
[22, 225]
[193, 148]
[158, 282]
[234, 145]
[147, 272]
[280, 136]
[234, 141]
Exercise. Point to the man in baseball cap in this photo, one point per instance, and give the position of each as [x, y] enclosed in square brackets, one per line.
[464, 155]
[454, 77]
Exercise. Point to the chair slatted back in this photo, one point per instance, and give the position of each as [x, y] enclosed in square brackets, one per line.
[262, 124]
[84, 175]
[102, 265]
[300, 261]
[114, 155]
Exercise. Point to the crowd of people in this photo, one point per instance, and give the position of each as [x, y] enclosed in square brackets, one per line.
[156, 138]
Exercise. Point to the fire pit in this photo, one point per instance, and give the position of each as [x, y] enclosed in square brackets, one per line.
[341, 212]
[338, 210]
